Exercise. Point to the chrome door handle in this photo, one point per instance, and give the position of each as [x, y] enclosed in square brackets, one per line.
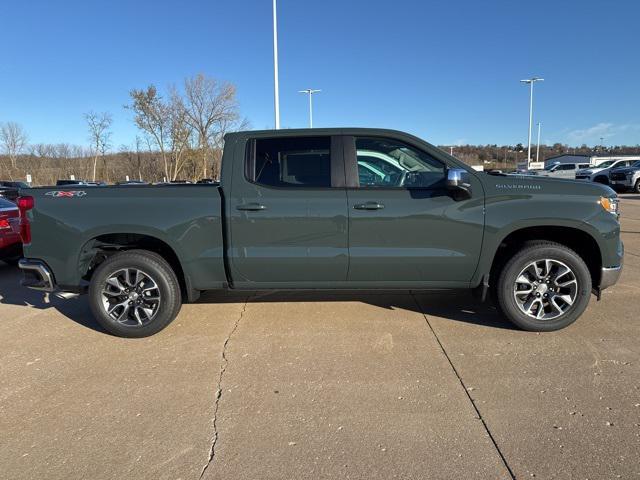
[368, 206]
[251, 207]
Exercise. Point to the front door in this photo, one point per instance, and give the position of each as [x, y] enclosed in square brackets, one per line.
[405, 228]
[288, 214]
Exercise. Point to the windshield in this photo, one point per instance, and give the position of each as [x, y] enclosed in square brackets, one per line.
[606, 164]
[550, 167]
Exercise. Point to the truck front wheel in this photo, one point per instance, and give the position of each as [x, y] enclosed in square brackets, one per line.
[544, 287]
[134, 294]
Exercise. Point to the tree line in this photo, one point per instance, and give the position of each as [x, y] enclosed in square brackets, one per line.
[180, 137]
[505, 157]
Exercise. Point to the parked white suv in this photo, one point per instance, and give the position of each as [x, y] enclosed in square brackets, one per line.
[600, 174]
[563, 170]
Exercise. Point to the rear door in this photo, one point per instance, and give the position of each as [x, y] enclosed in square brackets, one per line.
[405, 228]
[288, 214]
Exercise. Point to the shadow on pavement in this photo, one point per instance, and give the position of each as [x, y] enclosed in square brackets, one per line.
[460, 306]
[73, 307]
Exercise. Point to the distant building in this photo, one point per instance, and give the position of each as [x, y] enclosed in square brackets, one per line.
[590, 159]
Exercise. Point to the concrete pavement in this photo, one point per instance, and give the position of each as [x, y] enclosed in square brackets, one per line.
[338, 385]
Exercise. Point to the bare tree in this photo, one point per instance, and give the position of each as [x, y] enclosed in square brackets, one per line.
[14, 139]
[211, 109]
[152, 117]
[99, 134]
[181, 136]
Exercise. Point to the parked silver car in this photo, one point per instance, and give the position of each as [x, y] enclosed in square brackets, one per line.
[600, 174]
[563, 170]
[626, 178]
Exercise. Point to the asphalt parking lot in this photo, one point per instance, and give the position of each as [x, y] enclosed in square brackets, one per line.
[340, 385]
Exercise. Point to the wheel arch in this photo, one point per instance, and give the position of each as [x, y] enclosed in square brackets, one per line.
[601, 178]
[579, 240]
[99, 247]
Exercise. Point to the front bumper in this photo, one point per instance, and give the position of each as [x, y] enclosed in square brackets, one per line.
[36, 275]
[626, 182]
[609, 276]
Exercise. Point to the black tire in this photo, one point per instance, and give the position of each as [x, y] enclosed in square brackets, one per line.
[636, 187]
[158, 272]
[601, 179]
[539, 251]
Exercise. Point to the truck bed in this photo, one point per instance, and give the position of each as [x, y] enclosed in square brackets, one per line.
[68, 222]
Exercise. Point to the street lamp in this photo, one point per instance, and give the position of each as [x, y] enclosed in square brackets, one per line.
[530, 81]
[310, 92]
[538, 149]
[276, 94]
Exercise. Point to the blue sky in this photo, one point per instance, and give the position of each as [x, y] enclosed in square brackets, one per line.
[447, 71]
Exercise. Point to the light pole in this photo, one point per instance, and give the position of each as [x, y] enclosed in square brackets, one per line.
[538, 148]
[530, 81]
[276, 94]
[310, 92]
[451, 151]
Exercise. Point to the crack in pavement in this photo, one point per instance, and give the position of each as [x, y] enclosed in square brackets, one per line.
[466, 391]
[218, 394]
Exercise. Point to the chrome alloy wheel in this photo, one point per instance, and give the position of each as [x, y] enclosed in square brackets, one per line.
[545, 289]
[131, 297]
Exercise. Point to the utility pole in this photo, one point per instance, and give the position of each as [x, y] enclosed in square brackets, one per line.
[276, 93]
[310, 92]
[530, 82]
[538, 149]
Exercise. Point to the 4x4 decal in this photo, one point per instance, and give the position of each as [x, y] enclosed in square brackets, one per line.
[66, 193]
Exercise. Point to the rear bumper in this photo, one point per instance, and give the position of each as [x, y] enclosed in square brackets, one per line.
[9, 240]
[37, 275]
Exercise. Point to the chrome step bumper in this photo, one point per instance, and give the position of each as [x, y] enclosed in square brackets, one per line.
[36, 275]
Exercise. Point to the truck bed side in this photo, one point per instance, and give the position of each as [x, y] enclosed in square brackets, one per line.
[70, 225]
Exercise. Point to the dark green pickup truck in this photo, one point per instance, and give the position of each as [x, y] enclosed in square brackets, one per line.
[326, 209]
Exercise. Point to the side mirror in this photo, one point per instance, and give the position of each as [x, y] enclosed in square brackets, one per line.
[459, 182]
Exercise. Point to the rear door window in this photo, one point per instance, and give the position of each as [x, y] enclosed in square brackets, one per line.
[291, 162]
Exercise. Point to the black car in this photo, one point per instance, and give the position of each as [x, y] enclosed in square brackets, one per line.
[9, 189]
[66, 183]
[132, 182]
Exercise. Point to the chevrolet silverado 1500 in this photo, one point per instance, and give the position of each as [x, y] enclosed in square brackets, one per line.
[325, 209]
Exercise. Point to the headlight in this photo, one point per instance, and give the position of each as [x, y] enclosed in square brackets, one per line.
[610, 204]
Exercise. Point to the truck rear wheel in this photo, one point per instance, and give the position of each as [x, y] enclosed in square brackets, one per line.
[134, 294]
[544, 287]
